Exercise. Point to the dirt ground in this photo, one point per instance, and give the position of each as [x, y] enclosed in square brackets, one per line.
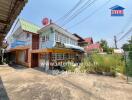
[34, 84]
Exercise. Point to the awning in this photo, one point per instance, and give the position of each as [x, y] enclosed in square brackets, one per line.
[73, 47]
[53, 50]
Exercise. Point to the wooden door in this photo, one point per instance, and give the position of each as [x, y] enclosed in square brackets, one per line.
[34, 60]
[35, 41]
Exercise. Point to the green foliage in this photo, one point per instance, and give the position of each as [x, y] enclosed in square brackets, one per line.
[129, 64]
[97, 63]
[130, 55]
[128, 46]
[104, 45]
[69, 66]
[86, 65]
[106, 48]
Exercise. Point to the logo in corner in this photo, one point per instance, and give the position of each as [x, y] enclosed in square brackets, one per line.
[117, 11]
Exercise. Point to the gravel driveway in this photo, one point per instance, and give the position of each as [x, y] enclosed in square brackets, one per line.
[34, 84]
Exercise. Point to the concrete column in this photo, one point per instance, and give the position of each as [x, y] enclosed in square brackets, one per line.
[50, 59]
[29, 59]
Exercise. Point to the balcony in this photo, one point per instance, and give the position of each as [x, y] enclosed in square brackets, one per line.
[17, 43]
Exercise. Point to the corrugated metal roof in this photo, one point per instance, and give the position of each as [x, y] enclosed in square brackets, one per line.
[92, 46]
[89, 40]
[73, 46]
[9, 10]
[27, 26]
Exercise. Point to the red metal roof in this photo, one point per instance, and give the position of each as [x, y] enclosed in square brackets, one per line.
[89, 40]
[92, 47]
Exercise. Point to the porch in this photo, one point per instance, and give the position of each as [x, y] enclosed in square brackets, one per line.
[19, 55]
[52, 58]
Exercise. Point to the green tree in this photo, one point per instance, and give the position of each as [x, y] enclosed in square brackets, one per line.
[128, 46]
[104, 45]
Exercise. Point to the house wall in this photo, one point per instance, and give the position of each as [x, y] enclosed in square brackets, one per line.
[20, 35]
[44, 61]
[60, 37]
[24, 36]
[53, 37]
[49, 39]
[21, 56]
[13, 36]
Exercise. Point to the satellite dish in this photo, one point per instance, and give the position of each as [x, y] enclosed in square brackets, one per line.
[45, 21]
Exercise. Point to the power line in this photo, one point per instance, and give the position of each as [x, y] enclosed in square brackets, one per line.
[83, 8]
[130, 30]
[126, 25]
[70, 11]
[79, 9]
[83, 20]
[124, 28]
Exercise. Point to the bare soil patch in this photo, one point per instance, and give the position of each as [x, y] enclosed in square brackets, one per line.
[32, 84]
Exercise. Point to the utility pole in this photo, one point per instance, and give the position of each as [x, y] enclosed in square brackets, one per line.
[115, 41]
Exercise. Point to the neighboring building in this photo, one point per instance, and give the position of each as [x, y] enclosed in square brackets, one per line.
[118, 51]
[81, 41]
[92, 47]
[49, 46]
[89, 40]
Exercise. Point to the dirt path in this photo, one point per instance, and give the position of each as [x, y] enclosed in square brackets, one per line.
[32, 84]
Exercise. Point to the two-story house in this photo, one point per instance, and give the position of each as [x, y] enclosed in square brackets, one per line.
[43, 47]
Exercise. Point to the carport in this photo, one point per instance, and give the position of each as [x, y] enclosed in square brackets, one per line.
[9, 10]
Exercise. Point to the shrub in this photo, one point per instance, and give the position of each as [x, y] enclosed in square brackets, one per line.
[130, 55]
[70, 66]
[97, 63]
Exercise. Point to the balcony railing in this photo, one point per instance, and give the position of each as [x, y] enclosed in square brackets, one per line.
[20, 43]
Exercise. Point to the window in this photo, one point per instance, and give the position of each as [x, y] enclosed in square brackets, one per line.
[28, 35]
[70, 56]
[67, 40]
[57, 37]
[70, 41]
[45, 38]
[57, 56]
[54, 56]
[64, 39]
[65, 56]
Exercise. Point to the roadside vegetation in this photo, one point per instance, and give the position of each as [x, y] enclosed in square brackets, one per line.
[103, 64]
[106, 64]
[127, 47]
[109, 64]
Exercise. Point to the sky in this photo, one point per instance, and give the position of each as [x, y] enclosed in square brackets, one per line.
[100, 25]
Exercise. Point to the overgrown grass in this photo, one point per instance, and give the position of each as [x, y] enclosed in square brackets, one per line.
[129, 64]
[97, 63]
[69, 66]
